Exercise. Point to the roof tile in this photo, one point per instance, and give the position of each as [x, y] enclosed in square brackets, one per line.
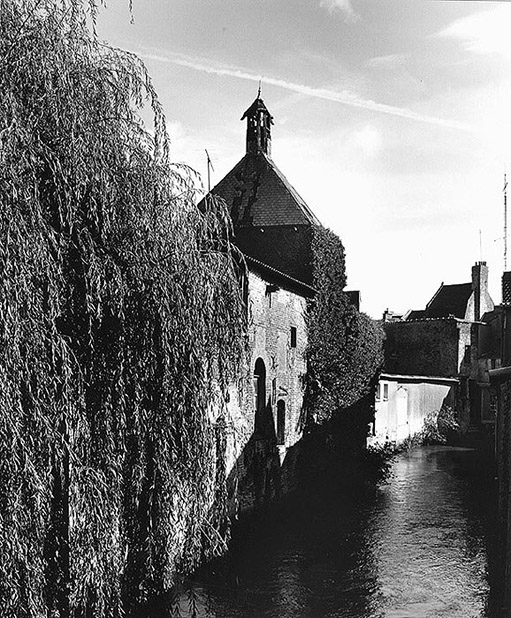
[259, 195]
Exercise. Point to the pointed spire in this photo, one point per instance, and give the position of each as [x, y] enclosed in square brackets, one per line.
[259, 121]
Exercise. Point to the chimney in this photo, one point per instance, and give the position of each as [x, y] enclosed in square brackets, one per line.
[506, 288]
[479, 286]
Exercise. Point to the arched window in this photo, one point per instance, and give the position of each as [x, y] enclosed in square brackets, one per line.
[260, 393]
[281, 421]
[260, 378]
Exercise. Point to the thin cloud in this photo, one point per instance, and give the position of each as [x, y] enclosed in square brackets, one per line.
[389, 61]
[483, 33]
[344, 6]
[344, 97]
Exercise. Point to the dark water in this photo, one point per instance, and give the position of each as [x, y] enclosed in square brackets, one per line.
[419, 546]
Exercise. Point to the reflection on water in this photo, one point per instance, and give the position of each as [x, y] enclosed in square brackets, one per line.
[414, 548]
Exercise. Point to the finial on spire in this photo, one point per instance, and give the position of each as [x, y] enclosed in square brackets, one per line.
[259, 90]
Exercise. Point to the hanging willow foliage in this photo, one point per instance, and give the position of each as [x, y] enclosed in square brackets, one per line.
[120, 318]
[345, 347]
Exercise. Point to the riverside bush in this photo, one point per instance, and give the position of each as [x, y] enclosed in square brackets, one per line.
[438, 425]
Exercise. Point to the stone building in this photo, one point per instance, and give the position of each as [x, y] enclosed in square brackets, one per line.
[265, 407]
[273, 229]
[495, 347]
[436, 340]
[442, 341]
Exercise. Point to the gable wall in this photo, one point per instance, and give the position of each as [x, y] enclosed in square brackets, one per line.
[426, 347]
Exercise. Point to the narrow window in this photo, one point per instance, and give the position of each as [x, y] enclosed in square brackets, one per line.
[293, 336]
[466, 357]
[260, 393]
[385, 392]
[281, 421]
[274, 390]
[378, 392]
[244, 291]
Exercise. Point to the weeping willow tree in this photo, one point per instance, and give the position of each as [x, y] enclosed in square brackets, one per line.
[120, 319]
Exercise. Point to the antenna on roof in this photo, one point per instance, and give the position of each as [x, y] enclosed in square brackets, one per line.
[210, 167]
[505, 220]
[480, 246]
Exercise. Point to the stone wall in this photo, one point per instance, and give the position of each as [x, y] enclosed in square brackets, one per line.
[264, 411]
[502, 391]
[426, 347]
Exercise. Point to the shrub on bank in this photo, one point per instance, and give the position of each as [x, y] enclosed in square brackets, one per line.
[438, 425]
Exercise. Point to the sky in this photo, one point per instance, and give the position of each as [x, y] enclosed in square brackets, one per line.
[392, 120]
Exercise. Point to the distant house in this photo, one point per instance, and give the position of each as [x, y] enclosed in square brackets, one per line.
[441, 341]
[465, 301]
[392, 316]
[436, 340]
[402, 403]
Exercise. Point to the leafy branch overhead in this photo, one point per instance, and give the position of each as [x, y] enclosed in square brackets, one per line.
[119, 317]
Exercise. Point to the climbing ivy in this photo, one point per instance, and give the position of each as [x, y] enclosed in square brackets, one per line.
[345, 347]
[120, 318]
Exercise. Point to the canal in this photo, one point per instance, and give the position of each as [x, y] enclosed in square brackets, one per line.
[419, 546]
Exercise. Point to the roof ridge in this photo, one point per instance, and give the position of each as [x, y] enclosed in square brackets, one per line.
[452, 285]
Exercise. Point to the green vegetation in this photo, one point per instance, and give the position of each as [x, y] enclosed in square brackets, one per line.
[120, 317]
[438, 426]
[345, 350]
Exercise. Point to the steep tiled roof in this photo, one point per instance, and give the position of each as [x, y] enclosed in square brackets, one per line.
[259, 195]
[415, 314]
[450, 300]
[257, 106]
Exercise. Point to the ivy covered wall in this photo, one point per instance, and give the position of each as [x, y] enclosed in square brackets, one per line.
[345, 347]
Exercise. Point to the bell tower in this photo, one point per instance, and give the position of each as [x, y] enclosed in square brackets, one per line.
[259, 121]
